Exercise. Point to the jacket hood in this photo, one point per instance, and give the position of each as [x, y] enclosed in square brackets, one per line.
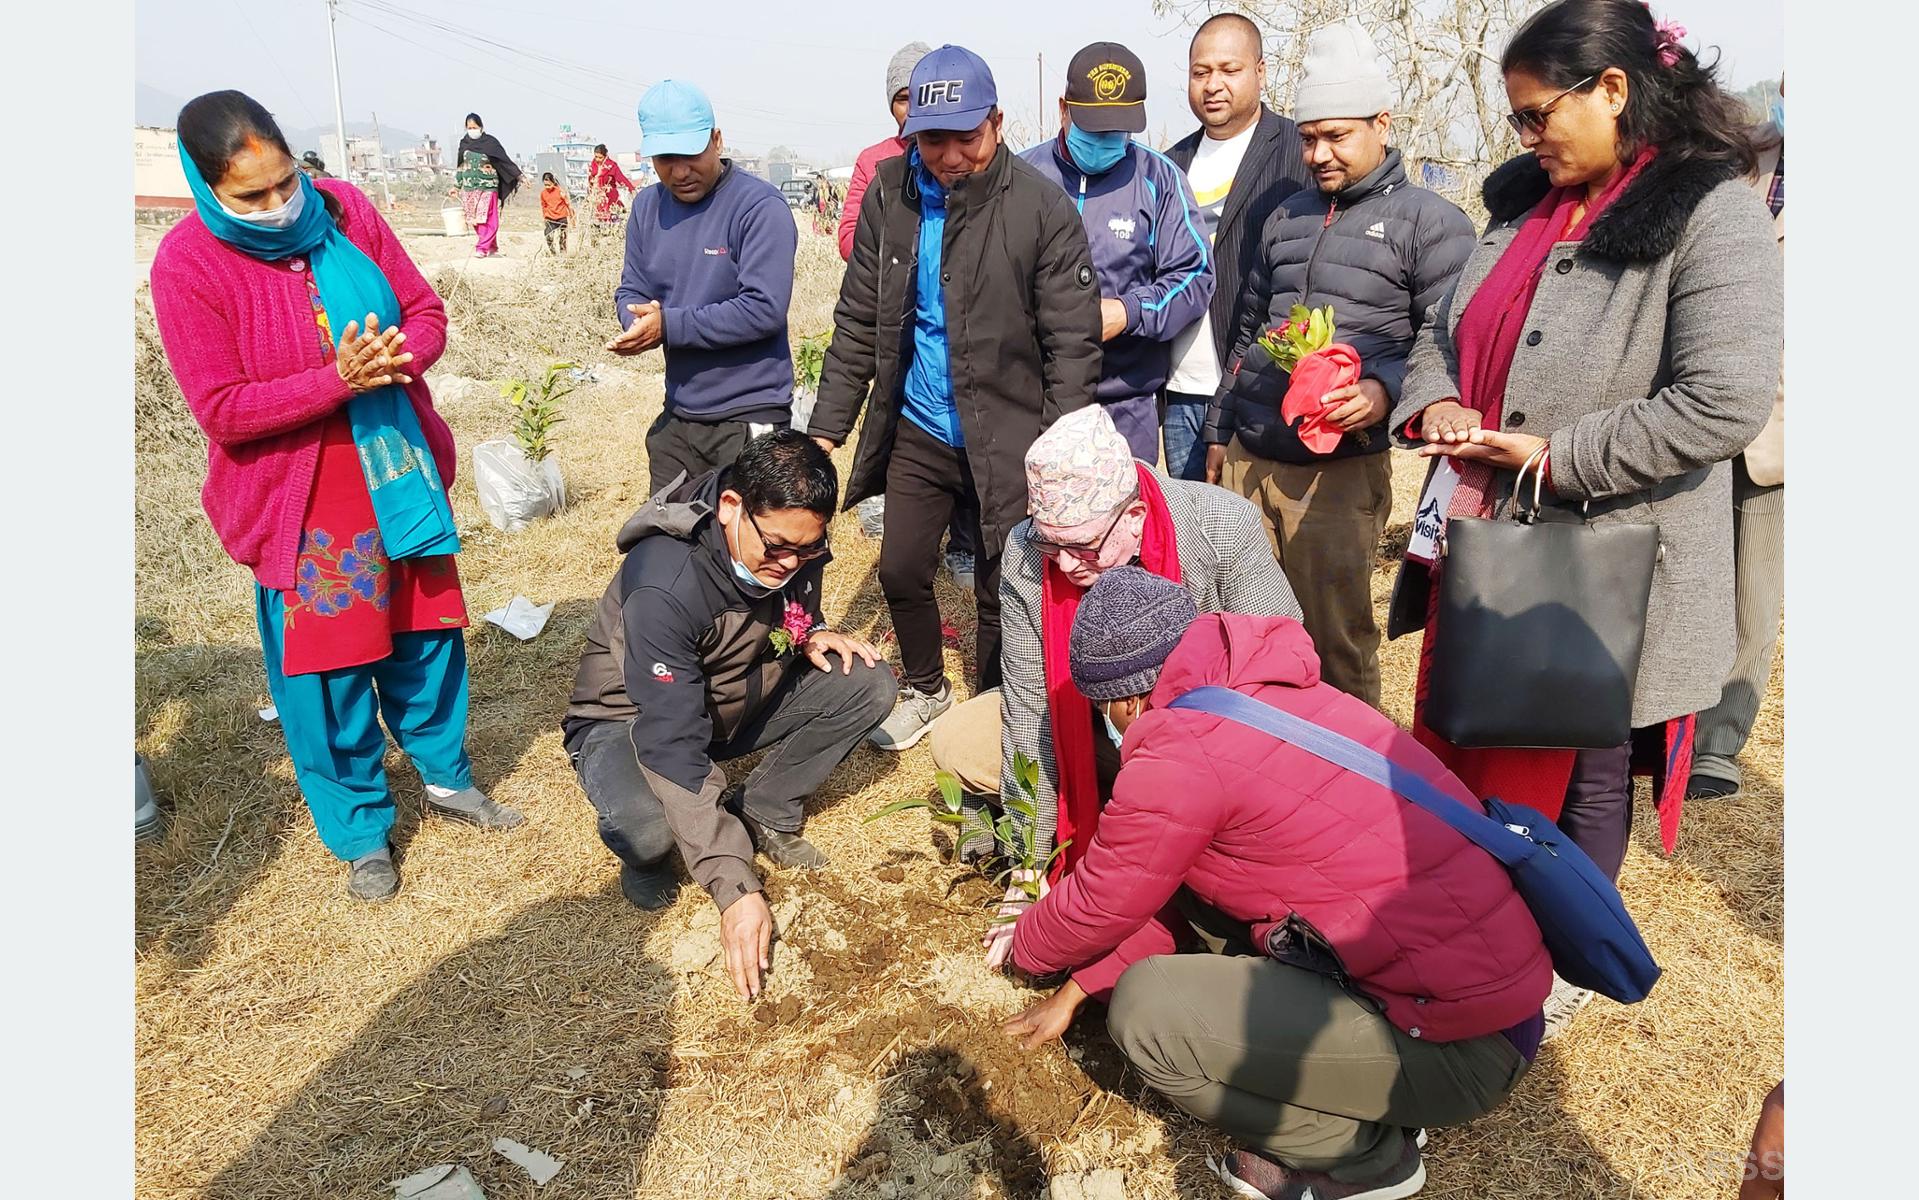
[1238, 651]
[1643, 225]
[676, 511]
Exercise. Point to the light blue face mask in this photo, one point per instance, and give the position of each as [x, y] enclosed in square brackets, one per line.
[1112, 730]
[1095, 153]
[747, 577]
[1779, 113]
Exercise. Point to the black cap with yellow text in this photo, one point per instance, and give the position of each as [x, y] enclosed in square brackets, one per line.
[1106, 89]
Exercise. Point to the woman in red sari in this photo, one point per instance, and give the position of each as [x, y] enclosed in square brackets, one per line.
[1621, 322]
[604, 179]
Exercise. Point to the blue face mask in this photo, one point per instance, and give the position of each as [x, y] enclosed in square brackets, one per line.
[1112, 730]
[1095, 153]
[1779, 113]
[747, 577]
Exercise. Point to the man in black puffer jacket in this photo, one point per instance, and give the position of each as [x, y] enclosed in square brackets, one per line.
[1381, 252]
[970, 310]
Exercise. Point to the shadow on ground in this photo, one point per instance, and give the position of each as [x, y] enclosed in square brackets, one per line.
[554, 1034]
[224, 780]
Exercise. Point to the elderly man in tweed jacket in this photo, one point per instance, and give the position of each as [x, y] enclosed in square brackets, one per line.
[1094, 507]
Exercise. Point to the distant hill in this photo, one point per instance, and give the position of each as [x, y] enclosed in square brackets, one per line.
[151, 106]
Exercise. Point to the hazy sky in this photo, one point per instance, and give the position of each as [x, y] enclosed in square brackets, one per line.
[811, 76]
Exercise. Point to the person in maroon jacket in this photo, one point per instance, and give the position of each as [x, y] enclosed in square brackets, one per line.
[1371, 971]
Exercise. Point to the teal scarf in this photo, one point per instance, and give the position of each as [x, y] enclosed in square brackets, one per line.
[409, 501]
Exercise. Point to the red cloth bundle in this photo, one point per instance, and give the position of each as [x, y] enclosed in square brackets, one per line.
[1317, 374]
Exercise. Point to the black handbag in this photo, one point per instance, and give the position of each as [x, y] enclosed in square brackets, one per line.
[1541, 620]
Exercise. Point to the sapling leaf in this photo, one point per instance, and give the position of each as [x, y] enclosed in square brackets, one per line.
[949, 786]
[898, 806]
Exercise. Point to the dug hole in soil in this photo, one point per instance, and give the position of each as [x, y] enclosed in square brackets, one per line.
[885, 996]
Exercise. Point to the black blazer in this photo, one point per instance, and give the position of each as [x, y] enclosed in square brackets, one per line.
[1273, 169]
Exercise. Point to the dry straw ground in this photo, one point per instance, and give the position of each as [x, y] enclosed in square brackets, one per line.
[293, 1043]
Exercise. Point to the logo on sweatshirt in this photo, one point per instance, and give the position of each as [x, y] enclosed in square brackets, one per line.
[1122, 227]
[715, 251]
[661, 673]
[1377, 230]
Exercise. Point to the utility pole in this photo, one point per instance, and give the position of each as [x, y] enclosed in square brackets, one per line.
[379, 156]
[1042, 96]
[339, 113]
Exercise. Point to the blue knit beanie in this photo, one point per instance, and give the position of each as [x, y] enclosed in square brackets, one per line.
[1127, 624]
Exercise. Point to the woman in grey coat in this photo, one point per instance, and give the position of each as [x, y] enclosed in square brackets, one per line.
[1621, 320]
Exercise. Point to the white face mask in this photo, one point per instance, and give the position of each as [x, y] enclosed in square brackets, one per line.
[282, 217]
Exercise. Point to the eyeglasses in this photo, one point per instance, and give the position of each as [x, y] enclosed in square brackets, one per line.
[1533, 120]
[1048, 548]
[806, 553]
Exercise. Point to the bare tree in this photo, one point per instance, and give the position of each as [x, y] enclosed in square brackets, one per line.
[1443, 56]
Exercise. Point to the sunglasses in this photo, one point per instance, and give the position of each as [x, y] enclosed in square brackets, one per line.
[1049, 548]
[773, 549]
[1533, 120]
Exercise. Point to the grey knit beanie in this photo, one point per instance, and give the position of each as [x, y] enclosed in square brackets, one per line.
[1342, 76]
[899, 71]
[1128, 622]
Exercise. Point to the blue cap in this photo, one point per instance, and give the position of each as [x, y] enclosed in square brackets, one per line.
[952, 89]
[675, 118]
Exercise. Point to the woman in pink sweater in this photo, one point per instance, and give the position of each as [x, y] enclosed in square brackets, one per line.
[296, 326]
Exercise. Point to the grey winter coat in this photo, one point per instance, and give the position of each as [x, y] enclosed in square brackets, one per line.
[1225, 562]
[1650, 358]
[1381, 252]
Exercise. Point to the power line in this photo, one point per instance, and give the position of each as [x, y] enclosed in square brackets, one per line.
[432, 49]
[275, 60]
[498, 49]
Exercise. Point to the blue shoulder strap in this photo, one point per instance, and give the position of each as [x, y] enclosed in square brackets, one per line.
[1489, 835]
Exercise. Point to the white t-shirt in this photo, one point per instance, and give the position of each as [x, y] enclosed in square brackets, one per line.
[1196, 365]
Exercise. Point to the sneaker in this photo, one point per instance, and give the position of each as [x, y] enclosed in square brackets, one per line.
[872, 514]
[1562, 1004]
[913, 714]
[960, 565]
[1257, 1177]
[1710, 787]
[373, 878]
[147, 822]
[650, 890]
[475, 807]
[784, 849]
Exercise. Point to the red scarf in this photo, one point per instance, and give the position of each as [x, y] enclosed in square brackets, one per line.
[1072, 713]
[1487, 336]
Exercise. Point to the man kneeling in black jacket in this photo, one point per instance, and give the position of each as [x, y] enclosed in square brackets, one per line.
[700, 652]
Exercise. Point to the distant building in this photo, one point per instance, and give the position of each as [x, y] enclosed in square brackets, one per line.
[419, 164]
[575, 151]
[361, 163]
[159, 181]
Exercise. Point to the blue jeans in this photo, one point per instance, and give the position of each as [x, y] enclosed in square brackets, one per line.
[1185, 419]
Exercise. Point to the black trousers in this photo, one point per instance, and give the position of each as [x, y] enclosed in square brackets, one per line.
[553, 227]
[812, 721]
[926, 479]
[1598, 812]
[675, 444]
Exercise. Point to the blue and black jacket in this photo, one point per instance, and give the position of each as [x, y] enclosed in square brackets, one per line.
[1143, 227]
